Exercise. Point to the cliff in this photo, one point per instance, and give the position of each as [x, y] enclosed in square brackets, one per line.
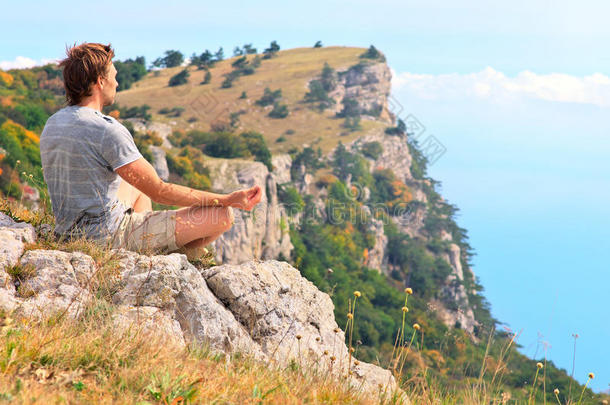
[263, 309]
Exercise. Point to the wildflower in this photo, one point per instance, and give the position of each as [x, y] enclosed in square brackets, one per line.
[24, 173]
[408, 290]
[539, 365]
[416, 326]
[333, 358]
[336, 330]
[556, 391]
[215, 201]
[350, 316]
[299, 337]
[326, 352]
[317, 338]
[352, 350]
[405, 309]
[18, 161]
[357, 293]
[591, 375]
[356, 363]
[329, 270]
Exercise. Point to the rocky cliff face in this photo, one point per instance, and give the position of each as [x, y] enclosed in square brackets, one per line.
[265, 309]
[370, 85]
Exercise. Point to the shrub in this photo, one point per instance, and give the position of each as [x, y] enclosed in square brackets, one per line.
[372, 53]
[207, 78]
[291, 199]
[372, 149]
[318, 44]
[180, 78]
[269, 97]
[279, 111]
[243, 95]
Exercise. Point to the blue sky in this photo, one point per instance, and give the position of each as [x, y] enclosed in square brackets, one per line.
[517, 92]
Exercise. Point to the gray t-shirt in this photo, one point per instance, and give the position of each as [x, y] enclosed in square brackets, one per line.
[80, 148]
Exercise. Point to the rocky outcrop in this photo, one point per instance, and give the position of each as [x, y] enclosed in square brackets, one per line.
[261, 233]
[370, 85]
[160, 162]
[161, 129]
[265, 309]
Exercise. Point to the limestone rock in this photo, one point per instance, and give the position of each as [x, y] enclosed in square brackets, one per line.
[160, 162]
[276, 304]
[13, 236]
[258, 233]
[60, 283]
[281, 167]
[172, 284]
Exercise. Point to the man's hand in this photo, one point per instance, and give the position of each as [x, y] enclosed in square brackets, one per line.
[245, 199]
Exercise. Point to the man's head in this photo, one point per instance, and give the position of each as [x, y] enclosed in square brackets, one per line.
[89, 71]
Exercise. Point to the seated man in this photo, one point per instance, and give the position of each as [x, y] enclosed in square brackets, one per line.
[100, 185]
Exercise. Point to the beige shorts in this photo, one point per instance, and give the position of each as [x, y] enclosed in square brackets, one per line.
[147, 232]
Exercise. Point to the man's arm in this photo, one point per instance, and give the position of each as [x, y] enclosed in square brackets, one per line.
[143, 176]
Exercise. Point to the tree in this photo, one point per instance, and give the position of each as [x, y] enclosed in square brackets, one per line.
[130, 71]
[172, 58]
[219, 55]
[237, 51]
[239, 62]
[207, 77]
[203, 61]
[318, 44]
[180, 78]
[272, 50]
[249, 50]
[372, 53]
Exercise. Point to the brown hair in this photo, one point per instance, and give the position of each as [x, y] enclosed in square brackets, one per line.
[84, 64]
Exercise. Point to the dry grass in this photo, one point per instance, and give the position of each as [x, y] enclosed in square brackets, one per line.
[290, 70]
[86, 361]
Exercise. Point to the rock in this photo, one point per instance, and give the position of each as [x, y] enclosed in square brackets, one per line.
[149, 321]
[281, 167]
[161, 129]
[369, 84]
[260, 233]
[172, 284]
[276, 304]
[160, 162]
[60, 282]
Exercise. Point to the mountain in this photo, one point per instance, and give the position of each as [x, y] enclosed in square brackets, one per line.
[347, 201]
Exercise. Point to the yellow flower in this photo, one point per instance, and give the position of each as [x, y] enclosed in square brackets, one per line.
[591, 375]
[336, 330]
[326, 352]
[405, 309]
[408, 290]
[352, 350]
[416, 326]
[333, 358]
[539, 365]
[299, 337]
[350, 316]
[356, 362]
[556, 391]
[357, 293]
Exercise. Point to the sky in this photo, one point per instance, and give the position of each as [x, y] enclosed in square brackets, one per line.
[516, 93]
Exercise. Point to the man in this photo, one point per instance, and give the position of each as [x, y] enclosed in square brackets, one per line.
[100, 185]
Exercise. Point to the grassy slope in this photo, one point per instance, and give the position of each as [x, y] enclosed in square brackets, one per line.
[290, 70]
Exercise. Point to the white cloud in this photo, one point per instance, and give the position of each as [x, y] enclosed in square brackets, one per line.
[22, 62]
[491, 84]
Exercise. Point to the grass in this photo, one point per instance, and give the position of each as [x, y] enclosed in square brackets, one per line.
[290, 70]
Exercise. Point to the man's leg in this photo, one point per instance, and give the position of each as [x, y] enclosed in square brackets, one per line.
[197, 227]
[134, 198]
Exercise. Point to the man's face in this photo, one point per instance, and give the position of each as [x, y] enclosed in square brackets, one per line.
[109, 85]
